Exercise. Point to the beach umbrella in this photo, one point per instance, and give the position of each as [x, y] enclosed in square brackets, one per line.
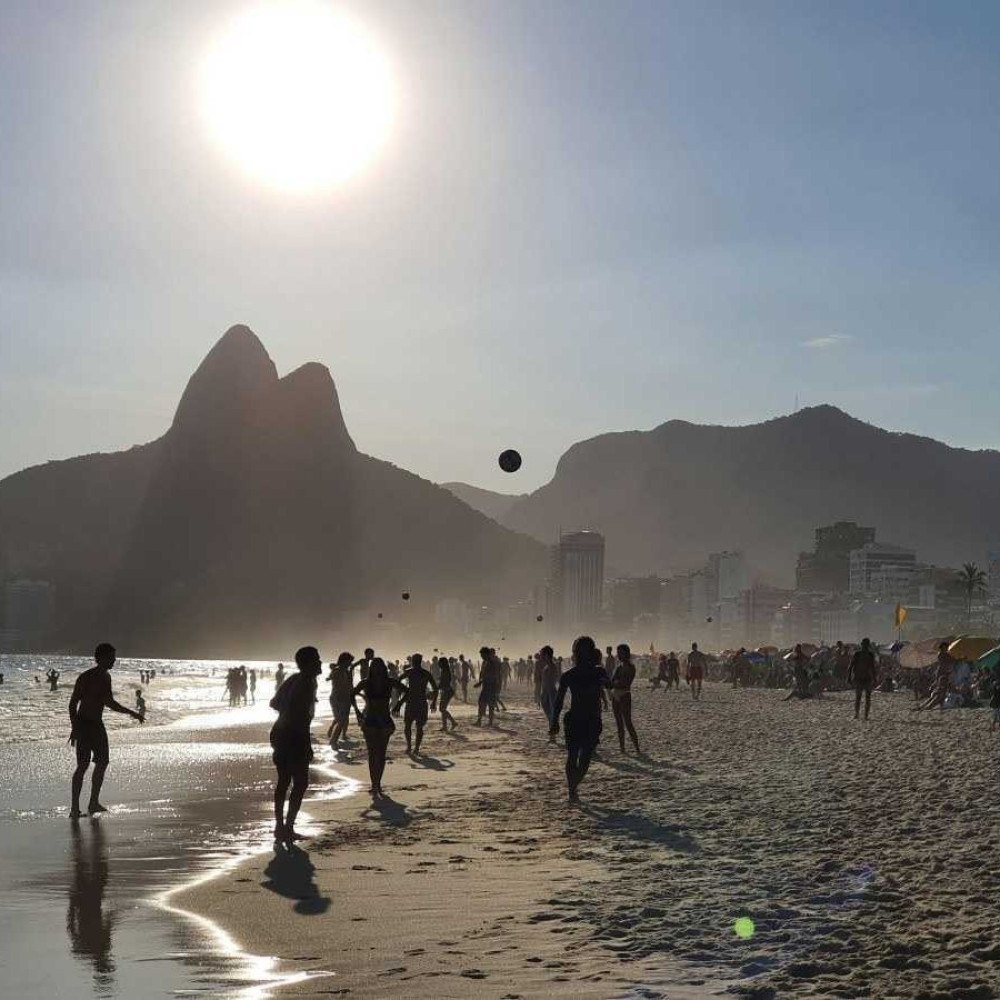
[989, 660]
[971, 647]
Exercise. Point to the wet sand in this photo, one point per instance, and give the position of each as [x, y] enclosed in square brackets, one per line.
[864, 855]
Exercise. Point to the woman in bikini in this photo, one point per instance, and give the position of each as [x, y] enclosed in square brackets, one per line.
[376, 720]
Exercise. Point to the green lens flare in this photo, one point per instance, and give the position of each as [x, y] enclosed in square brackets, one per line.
[744, 928]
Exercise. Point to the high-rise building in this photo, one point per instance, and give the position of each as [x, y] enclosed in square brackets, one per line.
[631, 597]
[827, 568]
[881, 570]
[578, 577]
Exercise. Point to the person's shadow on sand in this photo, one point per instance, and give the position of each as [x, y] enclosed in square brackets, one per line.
[387, 810]
[291, 874]
[433, 763]
[640, 827]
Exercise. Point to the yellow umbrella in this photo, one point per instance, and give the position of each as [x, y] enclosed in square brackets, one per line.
[971, 647]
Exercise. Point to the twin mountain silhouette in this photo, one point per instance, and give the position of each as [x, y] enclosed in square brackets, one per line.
[255, 522]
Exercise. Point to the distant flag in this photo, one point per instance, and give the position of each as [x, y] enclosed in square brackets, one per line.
[901, 615]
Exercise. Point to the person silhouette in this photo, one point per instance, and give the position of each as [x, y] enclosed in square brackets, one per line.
[291, 741]
[621, 696]
[586, 681]
[416, 678]
[89, 925]
[376, 720]
[341, 685]
[91, 695]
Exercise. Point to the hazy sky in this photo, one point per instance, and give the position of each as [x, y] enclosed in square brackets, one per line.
[590, 216]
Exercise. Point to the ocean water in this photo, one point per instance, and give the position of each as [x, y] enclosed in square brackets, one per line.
[87, 908]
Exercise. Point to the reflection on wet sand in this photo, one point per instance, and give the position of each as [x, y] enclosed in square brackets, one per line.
[89, 926]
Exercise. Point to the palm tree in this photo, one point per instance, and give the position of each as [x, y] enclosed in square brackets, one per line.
[973, 581]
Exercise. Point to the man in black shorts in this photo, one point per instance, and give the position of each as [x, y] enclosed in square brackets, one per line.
[91, 695]
[417, 679]
[861, 674]
[586, 681]
[291, 741]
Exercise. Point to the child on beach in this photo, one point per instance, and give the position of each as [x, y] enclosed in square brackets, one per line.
[140, 703]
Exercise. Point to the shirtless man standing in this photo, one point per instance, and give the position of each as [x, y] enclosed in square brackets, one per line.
[862, 673]
[91, 695]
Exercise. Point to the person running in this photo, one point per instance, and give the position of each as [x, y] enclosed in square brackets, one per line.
[91, 695]
[696, 664]
[376, 721]
[586, 681]
[416, 680]
[291, 741]
[621, 696]
[662, 673]
[446, 688]
[488, 684]
[341, 687]
[862, 674]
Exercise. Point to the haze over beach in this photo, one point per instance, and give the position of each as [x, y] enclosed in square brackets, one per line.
[499, 500]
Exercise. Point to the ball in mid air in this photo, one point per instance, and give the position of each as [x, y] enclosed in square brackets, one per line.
[406, 595]
[510, 460]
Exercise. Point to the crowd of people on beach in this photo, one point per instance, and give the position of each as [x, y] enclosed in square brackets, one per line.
[376, 691]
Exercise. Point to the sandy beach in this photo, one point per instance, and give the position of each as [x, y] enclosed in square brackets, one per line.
[863, 853]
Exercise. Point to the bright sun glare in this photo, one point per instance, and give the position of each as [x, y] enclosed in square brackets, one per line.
[298, 94]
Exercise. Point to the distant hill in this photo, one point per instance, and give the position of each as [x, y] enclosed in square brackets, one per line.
[494, 505]
[252, 525]
[665, 498]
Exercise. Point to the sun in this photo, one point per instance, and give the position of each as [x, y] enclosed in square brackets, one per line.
[297, 94]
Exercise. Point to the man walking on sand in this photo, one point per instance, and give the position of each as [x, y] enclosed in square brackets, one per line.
[91, 695]
[695, 670]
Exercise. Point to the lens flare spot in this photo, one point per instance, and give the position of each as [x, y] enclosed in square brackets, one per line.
[743, 928]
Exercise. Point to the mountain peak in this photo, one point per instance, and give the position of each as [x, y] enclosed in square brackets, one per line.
[234, 371]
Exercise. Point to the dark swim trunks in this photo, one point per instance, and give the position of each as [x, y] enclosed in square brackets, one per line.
[341, 711]
[292, 748]
[416, 710]
[582, 735]
[91, 742]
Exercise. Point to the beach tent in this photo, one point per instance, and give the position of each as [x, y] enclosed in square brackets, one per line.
[919, 655]
[971, 647]
[989, 660]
